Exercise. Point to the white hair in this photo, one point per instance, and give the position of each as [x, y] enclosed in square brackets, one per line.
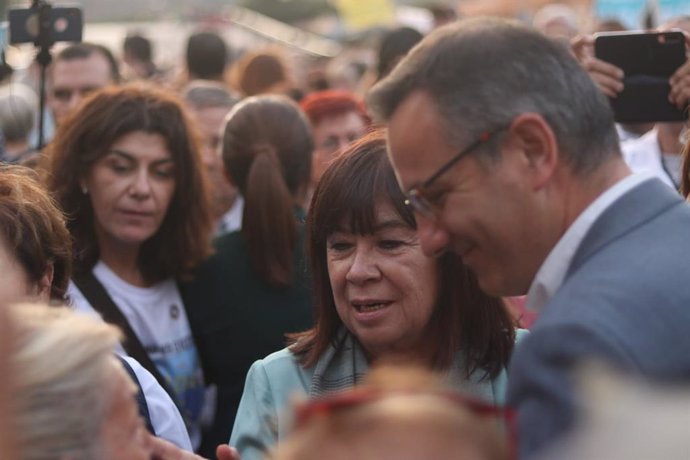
[62, 362]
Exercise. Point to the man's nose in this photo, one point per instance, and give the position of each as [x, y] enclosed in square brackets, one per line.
[75, 99]
[432, 237]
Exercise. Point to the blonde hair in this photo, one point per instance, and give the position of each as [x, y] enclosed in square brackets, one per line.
[62, 364]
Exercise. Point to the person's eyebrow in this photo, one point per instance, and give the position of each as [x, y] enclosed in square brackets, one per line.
[128, 156]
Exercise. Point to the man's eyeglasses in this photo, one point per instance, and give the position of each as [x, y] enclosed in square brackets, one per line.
[417, 196]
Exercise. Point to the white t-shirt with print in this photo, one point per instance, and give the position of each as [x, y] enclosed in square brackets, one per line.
[165, 418]
[157, 316]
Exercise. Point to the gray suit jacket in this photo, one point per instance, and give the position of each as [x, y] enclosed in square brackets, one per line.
[624, 301]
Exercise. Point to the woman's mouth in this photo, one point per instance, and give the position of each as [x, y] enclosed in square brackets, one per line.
[366, 307]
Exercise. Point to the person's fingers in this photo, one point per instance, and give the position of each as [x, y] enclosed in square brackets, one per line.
[605, 68]
[225, 452]
[680, 91]
[164, 450]
[581, 46]
[608, 77]
[680, 73]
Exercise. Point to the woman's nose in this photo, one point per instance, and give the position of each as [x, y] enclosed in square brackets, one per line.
[364, 266]
[141, 185]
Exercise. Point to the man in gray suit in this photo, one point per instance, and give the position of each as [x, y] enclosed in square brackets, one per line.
[508, 153]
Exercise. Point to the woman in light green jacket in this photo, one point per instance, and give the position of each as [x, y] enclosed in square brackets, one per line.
[378, 298]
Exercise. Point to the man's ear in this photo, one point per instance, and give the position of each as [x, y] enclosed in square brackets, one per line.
[535, 141]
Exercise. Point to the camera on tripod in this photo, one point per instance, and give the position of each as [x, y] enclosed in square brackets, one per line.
[43, 24]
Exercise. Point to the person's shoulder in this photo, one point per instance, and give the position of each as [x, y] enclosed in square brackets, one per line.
[281, 371]
[165, 417]
[226, 248]
[230, 253]
[230, 241]
[78, 302]
[281, 360]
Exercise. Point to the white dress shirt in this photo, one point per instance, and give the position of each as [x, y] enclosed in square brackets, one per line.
[552, 272]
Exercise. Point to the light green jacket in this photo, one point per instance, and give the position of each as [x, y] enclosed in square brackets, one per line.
[273, 383]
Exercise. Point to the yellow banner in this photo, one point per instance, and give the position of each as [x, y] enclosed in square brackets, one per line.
[360, 14]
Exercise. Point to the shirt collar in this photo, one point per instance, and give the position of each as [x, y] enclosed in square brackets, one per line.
[552, 272]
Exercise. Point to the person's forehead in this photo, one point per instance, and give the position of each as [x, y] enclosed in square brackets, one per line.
[416, 139]
[93, 70]
[341, 122]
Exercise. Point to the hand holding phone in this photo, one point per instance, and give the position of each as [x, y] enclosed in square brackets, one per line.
[648, 61]
[608, 77]
[680, 80]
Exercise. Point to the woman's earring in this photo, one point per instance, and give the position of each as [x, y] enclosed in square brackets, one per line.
[84, 190]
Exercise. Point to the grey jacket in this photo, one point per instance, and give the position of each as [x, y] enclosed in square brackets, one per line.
[625, 301]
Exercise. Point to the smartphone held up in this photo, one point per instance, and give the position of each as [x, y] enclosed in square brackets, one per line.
[648, 60]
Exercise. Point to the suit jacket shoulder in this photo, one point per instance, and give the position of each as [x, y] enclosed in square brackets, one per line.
[624, 301]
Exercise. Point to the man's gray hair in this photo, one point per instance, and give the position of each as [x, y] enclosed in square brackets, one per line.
[18, 111]
[482, 73]
[202, 94]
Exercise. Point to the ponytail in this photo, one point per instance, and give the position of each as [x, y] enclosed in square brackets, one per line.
[268, 224]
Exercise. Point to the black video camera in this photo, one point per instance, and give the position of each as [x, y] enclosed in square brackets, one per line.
[44, 25]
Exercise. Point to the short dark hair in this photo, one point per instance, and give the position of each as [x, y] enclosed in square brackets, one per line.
[84, 50]
[183, 240]
[207, 56]
[267, 149]
[33, 227]
[482, 73]
[138, 47]
[261, 71]
[395, 44]
[465, 318]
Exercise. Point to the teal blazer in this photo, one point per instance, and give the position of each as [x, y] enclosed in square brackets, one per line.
[264, 415]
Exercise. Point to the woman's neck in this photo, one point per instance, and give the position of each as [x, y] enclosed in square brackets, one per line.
[419, 356]
[123, 260]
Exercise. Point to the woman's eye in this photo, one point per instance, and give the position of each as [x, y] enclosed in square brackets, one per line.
[339, 246]
[119, 168]
[390, 244]
[163, 173]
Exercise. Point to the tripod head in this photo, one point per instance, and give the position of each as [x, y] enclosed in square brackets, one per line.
[44, 25]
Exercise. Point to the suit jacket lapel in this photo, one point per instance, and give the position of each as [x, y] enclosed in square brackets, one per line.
[638, 206]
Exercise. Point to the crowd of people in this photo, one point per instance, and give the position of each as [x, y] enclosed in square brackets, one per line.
[233, 262]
